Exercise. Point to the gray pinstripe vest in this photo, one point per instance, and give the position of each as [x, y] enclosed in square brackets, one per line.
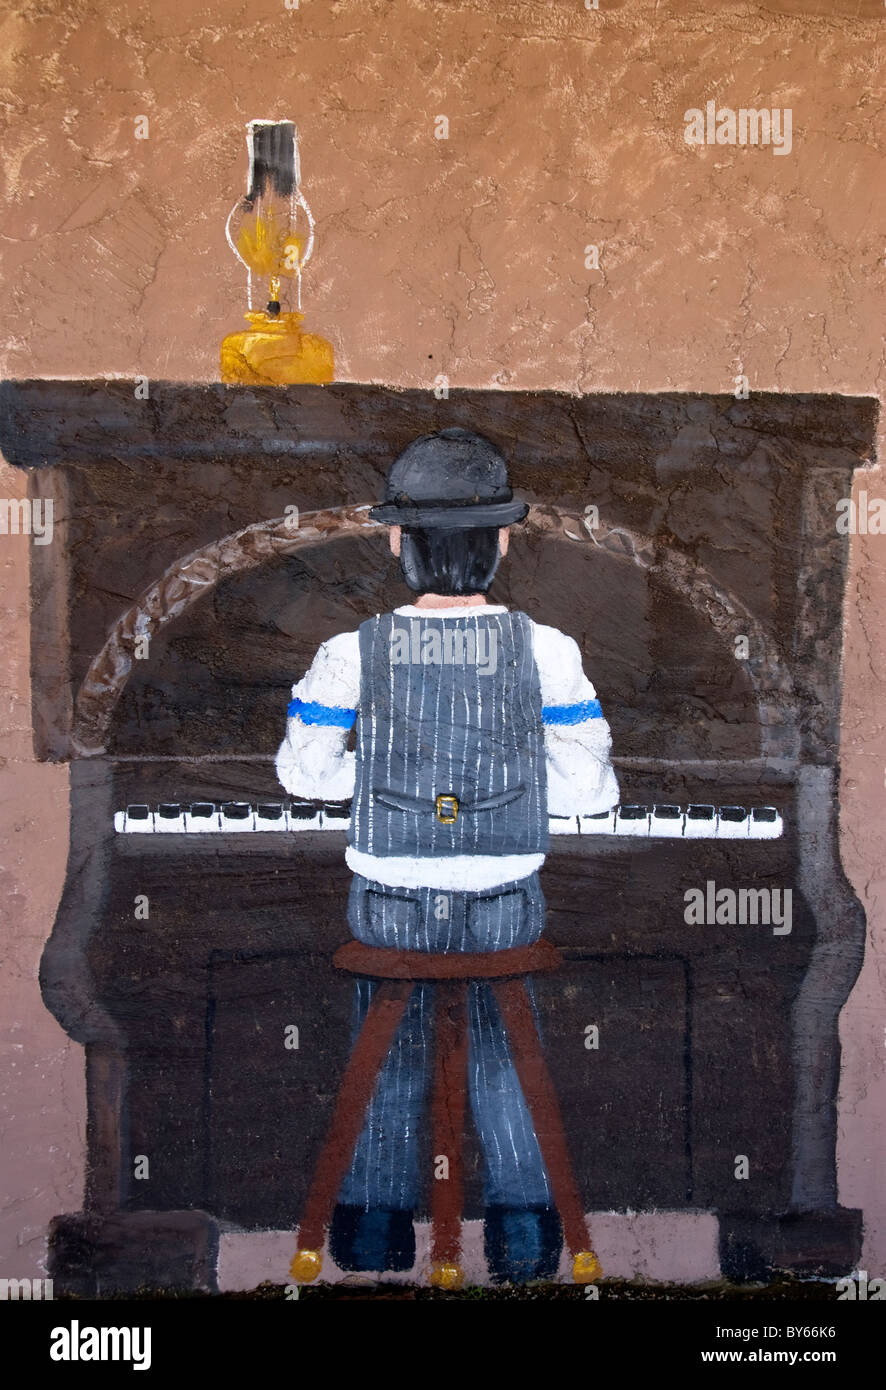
[449, 707]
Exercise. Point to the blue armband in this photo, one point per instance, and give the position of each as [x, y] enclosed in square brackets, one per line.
[334, 716]
[571, 714]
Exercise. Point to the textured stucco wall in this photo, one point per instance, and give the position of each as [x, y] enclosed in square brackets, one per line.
[463, 256]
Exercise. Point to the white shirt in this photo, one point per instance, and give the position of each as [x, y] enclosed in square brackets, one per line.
[313, 760]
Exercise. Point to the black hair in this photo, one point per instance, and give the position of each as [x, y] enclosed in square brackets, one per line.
[448, 562]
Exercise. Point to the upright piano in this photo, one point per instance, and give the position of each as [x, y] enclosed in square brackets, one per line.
[207, 539]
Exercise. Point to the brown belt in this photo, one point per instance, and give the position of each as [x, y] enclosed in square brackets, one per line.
[389, 963]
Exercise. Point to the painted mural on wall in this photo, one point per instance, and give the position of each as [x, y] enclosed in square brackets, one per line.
[529, 913]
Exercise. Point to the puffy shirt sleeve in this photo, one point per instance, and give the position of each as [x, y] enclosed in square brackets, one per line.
[313, 760]
[578, 743]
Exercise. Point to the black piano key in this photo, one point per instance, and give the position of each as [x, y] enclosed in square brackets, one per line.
[237, 810]
[734, 813]
[202, 810]
[137, 812]
[700, 813]
[764, 813]
[667, 812]
[168, 810]
[337, 810]
[269, 811]
[302, 810]
[633, 812]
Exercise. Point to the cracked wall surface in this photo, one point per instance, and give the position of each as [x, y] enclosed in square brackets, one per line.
[464, 257]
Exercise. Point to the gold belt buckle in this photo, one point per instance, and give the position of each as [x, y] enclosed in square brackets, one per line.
[446, 804]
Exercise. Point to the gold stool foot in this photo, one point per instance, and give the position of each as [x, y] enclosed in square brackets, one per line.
[586, 1268]
[306, 1265]
[446, 1276]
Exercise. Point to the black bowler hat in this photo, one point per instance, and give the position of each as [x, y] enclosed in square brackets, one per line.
[452, 480]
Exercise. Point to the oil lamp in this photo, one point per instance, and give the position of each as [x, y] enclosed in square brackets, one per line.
[271, 232]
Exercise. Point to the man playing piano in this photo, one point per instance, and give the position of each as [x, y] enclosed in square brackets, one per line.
[473, 725]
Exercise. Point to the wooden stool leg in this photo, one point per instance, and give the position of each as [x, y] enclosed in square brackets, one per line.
[370, 1050]
[538, 1089]
[448, 1116]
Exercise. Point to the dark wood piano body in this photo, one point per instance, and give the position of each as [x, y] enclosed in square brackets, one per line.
[716, 521]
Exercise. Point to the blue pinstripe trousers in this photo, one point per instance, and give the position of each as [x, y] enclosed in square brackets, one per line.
[385, 1168]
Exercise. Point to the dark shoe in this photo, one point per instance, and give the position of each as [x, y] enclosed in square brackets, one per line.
[522, 1243]
[372, 1240]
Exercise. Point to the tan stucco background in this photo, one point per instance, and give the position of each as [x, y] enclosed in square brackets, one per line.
[463, 256]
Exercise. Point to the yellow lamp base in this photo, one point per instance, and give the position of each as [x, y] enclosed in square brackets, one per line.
[586, 1268]
[446, 1276]
[306, 1265]
[275, 352]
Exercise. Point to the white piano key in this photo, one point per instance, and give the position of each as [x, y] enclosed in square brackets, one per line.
[169, 819]
[335, 815]
[733, 823]
[270, 815]
[632, 820]
[303, 815]
[202, 818]
[563, 825]
[667, 822]
[237, 816]
[602, 823]
[139, 820]
[701, 822]
[766, 823]
[120, 822]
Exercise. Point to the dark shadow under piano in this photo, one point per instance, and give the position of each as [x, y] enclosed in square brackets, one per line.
[706, 592]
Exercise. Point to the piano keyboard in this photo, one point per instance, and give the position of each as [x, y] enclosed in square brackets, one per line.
[660, 822]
